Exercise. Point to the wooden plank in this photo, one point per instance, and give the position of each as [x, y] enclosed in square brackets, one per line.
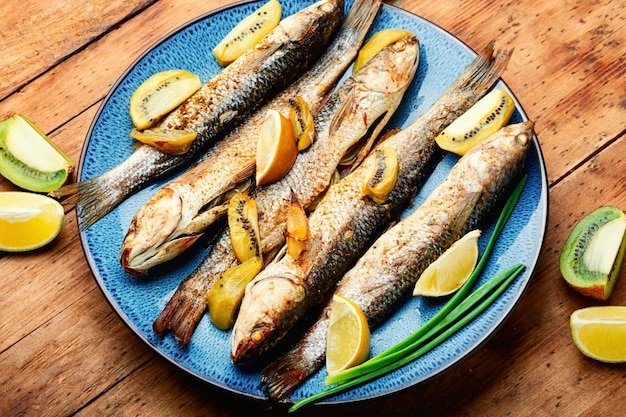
[37, 35]
[86, 77]
[568, 69]
[67, 362]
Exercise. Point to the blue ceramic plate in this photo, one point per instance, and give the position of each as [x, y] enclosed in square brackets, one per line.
[139, 301]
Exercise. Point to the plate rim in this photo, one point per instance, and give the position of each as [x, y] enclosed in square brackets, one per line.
[543, 206]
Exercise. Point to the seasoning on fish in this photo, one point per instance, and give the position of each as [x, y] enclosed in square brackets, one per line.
[372, 95]
[179, 213]
[387, 272]
[223, 102]
[345, 222]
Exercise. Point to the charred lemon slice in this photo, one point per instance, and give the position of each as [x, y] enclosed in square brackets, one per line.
[170, 141]
[224, 297]
[377, 43]
[297, 232]
[302, 121]
[382, 176]
[248, 33]
[243, 227]
[487, 116]
[160, 94]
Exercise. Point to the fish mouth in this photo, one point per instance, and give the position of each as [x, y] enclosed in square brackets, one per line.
[139, 264]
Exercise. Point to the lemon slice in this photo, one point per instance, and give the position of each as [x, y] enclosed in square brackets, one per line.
[600, 332]
[348, 338]
[28, 221]
[377, 43]
[276, 148]
[450, 271]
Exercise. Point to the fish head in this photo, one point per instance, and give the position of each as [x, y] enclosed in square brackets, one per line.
[148, 240]
[265, 311]
[393, 68]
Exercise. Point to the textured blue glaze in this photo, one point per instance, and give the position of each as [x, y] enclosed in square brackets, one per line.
[139, 301]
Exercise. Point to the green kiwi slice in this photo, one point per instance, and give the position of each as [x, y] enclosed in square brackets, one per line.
[591, 259]
[29, 159]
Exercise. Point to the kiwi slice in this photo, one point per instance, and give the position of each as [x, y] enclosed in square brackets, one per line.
[160, 94]
[486, 117]
[591, 259]
[247, 33]
[382, 176]
[29, 159]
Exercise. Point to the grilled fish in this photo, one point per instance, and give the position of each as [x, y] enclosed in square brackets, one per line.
[354, 114]
[179, 213]
[387, 272]
[220, 104]
[345, 222]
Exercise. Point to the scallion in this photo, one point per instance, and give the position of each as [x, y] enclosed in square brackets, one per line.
[455, 314]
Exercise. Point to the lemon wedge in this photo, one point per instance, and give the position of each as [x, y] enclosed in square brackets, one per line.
[28, 221]
[600, 332]
[348, 338]
[377, 43]
[450, 271]
[276, 148]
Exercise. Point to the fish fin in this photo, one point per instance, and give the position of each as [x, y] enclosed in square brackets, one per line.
[282, 376]
[245, 172]
[181, 315]
[347, 110]
[484, 70]
[90, 198]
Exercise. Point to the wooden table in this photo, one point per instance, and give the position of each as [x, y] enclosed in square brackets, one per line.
[63, 350]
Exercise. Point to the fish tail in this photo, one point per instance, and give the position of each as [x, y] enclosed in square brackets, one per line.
[90, 198]
[181, 315]
[484, 71]
[282, 376]
[360, 17]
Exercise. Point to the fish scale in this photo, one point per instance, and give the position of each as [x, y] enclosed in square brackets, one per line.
[184, 310]
[337, 132]
[192, 202]
[216, 107]
[416, 150]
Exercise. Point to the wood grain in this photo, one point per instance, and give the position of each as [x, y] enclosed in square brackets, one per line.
[65, 351]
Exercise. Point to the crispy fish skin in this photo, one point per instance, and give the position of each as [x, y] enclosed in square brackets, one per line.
[346, 222]
[179, 213]
[357, 111]
[387, 272]
[219, 105]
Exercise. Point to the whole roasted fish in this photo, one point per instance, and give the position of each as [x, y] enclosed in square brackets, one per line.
[345, 222]
[387, 272]
[219, 105]
[179, 213]
[355, 114]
